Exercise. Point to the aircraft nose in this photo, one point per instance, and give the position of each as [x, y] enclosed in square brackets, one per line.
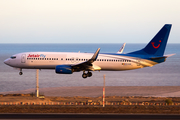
[6, 61]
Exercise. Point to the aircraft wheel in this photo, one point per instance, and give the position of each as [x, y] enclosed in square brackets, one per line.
[89, 74]
[20, 73]
[84, 75]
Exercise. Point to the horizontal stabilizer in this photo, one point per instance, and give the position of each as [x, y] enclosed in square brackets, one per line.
[158, 58]
[169, 55]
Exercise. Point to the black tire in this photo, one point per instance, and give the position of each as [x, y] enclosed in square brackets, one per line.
[20, 73]
[89, 74]
[84, 75]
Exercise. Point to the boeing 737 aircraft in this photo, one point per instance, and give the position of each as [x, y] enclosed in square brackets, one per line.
[67, 63]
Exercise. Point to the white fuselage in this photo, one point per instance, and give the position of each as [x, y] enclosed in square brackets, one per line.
[49, 60]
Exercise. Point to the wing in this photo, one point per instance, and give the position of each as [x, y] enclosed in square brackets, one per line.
[86, 65]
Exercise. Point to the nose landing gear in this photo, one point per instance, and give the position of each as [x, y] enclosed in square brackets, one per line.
[85, 75]
[20, 73]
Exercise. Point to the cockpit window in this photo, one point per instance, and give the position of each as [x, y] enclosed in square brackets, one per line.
[13, 57]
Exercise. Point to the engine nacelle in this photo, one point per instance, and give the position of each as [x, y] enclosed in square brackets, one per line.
[63, 69]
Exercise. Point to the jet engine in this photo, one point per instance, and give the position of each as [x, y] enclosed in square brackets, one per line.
[63, 69]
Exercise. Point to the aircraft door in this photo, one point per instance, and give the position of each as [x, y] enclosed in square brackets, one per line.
[23, 58]
[138, 62]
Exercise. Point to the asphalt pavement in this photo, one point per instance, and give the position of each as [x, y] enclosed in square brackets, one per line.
[96, 91]
[91, 116]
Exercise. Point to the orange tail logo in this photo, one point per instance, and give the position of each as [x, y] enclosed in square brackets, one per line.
[155, 46]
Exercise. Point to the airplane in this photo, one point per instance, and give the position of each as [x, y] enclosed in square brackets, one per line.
[121, 49]
[68, 63]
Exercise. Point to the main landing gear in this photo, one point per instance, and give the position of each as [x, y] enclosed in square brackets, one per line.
[20, 73]
[85, 75]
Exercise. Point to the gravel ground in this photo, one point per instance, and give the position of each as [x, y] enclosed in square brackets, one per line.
[107, 109]
[113, 93]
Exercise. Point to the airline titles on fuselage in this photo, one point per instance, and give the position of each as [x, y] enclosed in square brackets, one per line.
[33, 55]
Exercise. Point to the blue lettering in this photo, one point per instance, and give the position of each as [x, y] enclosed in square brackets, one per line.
[42, 55]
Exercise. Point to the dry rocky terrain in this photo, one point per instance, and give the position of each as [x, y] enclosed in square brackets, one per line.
[171, 109]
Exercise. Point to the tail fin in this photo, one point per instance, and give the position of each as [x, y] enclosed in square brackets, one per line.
[158, 44]
[121, 49]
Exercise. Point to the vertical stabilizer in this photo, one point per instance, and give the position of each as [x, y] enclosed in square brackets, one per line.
[121, 49]
[158, 44]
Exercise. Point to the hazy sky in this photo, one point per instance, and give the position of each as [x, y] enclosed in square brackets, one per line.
[87, 21]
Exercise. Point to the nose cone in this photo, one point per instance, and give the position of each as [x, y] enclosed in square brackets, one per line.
[6, 61]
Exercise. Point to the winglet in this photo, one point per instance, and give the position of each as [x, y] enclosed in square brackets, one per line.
[94, 57]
